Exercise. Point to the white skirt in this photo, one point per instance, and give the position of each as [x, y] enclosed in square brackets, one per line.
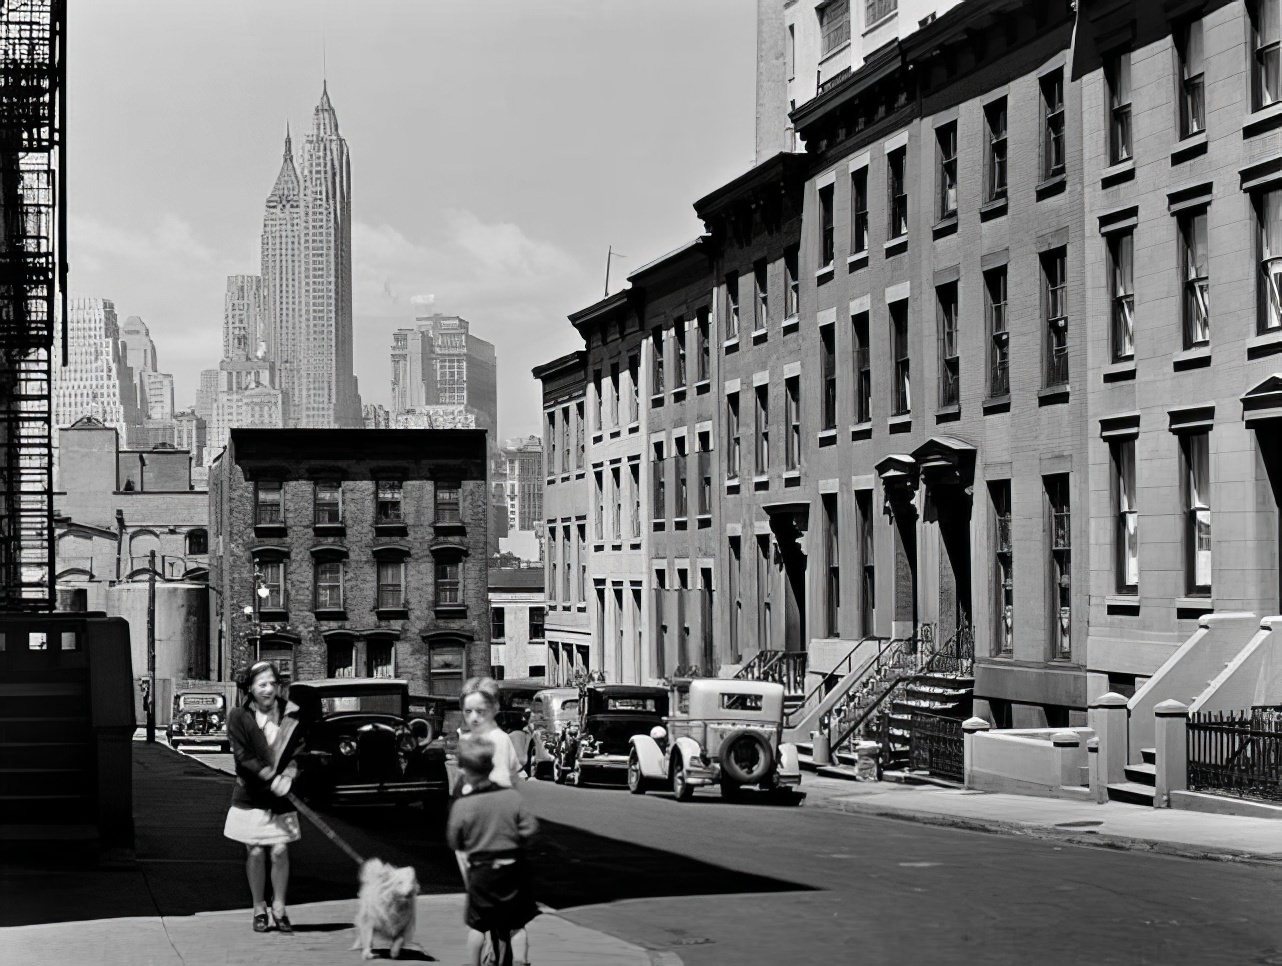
[258, 826]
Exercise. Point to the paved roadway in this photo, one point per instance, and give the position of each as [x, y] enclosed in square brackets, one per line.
[759, 882]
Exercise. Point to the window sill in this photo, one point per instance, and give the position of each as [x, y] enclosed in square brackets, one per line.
[861, 430]
[792, 477]
[1193, 607]
[329, 529]
[270, 530]
[732, 486]
[997, 404]
[272, 616]
[704, 520]
[1119, 371]
[1194, 358]
[598, 436]
[1051, 186]
[857, 261]
[827, 437]
[656, 400]
[616, 432]
[993, 209]
[945, 226]
[761, 481]
[759, 336]
[877, 25]
[948, 414]
[658, 526]
[1117, 173]
[790, 324]
[391, 528]
[1265, 344]
[392, 613]
[634, 544]
[1191, 147]
[896, 246]
[1052, 395]
[598, 547]
[834, 52]
[330, 615]
[634, 427]
[581, 608]
[701, 387]
[565, 477]
[678, 523]
[616, 545]
[730, 345]
[1122, 601]
[579, 474]
[679, 394]
[1263, 120]
[824, 274]
[901, 423]
[450, 526]
[450, 611]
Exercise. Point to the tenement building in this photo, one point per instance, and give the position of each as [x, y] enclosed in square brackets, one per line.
[341, 553]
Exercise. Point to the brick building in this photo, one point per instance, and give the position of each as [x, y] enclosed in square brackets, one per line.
[369, 547]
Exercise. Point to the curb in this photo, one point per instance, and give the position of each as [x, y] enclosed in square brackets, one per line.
[1053, 834]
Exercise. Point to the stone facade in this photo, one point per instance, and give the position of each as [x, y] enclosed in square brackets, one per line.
[518, 643]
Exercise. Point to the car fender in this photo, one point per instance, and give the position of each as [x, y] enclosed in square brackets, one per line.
[689, 749]
[789, 762]
[649, 756]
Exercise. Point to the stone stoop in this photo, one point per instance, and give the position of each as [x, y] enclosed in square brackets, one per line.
[1140, 787]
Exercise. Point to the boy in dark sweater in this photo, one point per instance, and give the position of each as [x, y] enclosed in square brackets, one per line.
[493, 828]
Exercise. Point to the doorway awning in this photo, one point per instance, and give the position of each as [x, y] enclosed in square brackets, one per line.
[945, 460]
[1264, 402]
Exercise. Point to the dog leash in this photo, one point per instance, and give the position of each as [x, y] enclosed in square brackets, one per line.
[328, 832]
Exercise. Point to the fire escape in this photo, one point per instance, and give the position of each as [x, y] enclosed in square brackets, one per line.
[32, 277]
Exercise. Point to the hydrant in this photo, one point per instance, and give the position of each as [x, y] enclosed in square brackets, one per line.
[866, 754]
[820, 751]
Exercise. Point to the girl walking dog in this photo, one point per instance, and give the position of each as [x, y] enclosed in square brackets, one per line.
[264, 734]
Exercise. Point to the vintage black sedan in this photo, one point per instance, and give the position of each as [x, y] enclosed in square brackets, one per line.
[596, 747]
[199, 718]
[366, 744]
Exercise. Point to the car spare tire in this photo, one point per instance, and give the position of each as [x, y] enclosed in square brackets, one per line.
[746, 758]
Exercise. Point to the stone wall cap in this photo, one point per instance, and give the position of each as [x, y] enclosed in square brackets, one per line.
[1170, 708]
[975, 724]
[1066, 739]
[1110, 700]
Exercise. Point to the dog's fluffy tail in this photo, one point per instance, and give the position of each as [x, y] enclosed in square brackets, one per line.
[372, 870]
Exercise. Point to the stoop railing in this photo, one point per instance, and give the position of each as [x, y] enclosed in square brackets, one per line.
[1236, 753]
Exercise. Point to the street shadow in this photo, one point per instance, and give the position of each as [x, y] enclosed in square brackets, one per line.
[322, 926]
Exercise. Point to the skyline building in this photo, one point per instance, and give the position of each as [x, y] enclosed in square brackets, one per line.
[523, 482]
[281, 281]
[96, 381]
[439, 363]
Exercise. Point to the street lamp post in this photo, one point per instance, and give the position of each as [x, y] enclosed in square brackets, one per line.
[253, 611]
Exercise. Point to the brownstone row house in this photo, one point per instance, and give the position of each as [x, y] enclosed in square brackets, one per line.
[989, 362]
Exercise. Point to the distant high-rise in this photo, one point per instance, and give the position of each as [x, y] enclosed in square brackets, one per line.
[96, 381]
[440, 363]
[282, 275]
[523, 482]
[243, 332]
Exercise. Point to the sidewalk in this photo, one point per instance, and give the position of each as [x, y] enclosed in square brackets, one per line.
[1113, 824]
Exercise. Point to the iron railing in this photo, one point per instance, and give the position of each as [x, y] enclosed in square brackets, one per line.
[936, 746]
[783, 667]
[1236, 753]
[825, 686]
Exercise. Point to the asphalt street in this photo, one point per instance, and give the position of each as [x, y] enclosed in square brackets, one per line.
[755, 881]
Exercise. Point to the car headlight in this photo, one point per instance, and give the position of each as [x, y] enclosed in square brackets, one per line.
[405, 742]
[215, 721]
[186, 717]
[346, 747]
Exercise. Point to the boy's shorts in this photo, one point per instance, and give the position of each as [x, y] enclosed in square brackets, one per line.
[498, 891]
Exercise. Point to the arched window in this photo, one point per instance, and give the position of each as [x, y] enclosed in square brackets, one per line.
[197, 542]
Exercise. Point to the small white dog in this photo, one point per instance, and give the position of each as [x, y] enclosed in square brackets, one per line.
[387, 899]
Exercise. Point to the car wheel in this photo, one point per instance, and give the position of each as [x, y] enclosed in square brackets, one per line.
[746, 757]
[682, 790]
[636, 781]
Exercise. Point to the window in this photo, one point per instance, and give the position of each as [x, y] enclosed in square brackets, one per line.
[995, 159]
[679, 338]
[761, 395]
[736, 601]
[565, 438]
[1003, 568]
[832, 566]
[902, 400]
[1117, 77]
[1061, 548]
[703, 361]
[1192, 79]
[1052, 124]
[580, 450]
[792, 51]
[826, 249]
[378, 659]
[1268, 57]
[391, 585]
[682, 488]
[949, 354]
[340, 658]
[566, 574]
[598, 508]
[875, 10]
[582, 551]
[634, 470]
[859, 211]
[446, 662]
[1121, 258]
[388, 500]
[660, 621]
[862, 367]
[732, 306]
[536, 623]
[656, 363]
[867, 562]
[732, 436]
[761, 300]
[598, 401]
[615, 408]
[197, 541]
[834, 24]
[273, 578]
[616, 514]
[946, 142]
[1196, 451]
[449, 575]
[792, 290]
[828, 375]
[550, 583]
[705, 474]
[634, 397]
[498, 624]
[447, 503]
[550, 444]
[1126, 546]
[763, 592]
[1055, 309]
[898, 190]
[1269, 217]
[268, 503]
[792, 401]
[998, 334]
[329, 585]
[658, 494]
[1197, 284]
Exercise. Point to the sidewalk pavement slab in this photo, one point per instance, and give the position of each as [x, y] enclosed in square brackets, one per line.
[1112, 824]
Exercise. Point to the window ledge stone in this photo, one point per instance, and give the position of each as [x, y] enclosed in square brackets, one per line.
[901, 423]
[993, 209]
[1194, 358]
[827, 436]
[1263, 120]
[896, 246]
[1115, 174]
[1052, 395]
[861, 430]
[945, 226]
[1051, 186]
[790, 324]
[857, 261]
[1119, 371]
[1264, 344]
[1189, 148]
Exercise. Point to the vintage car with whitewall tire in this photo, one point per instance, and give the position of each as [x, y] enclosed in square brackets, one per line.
[199, 718]
[722, 732]
[364, 745]
[551, 711]
[596, 746]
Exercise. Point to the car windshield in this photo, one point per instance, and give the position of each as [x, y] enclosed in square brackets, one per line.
[368, 703]
[570, 707]
[517, 701]
[200, 702]
[740, 702]
[630, 704]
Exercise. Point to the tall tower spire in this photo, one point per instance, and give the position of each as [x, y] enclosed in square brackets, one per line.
[289, 144]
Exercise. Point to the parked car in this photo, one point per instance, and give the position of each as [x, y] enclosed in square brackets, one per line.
[598, 744]
[199, 718]
[550, 711]
[364, 744]
[724, 732]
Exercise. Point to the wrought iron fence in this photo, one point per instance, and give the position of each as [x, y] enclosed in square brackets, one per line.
[936, 746]
[1236, 753]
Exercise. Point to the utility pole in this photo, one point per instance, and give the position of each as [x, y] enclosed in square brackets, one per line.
[151, 648]
[610, 253]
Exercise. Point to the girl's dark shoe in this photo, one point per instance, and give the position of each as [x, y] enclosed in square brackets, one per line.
[260, 922]
[283, 924]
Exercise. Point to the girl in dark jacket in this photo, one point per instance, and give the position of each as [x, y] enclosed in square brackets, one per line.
[264, 734]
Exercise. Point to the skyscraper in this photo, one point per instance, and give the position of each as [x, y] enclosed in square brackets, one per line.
[440, 363]
[282, 276]
[96, 381]
[247, 393]
[243, 329]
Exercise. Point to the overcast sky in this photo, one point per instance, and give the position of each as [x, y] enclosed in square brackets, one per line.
[497, 147]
